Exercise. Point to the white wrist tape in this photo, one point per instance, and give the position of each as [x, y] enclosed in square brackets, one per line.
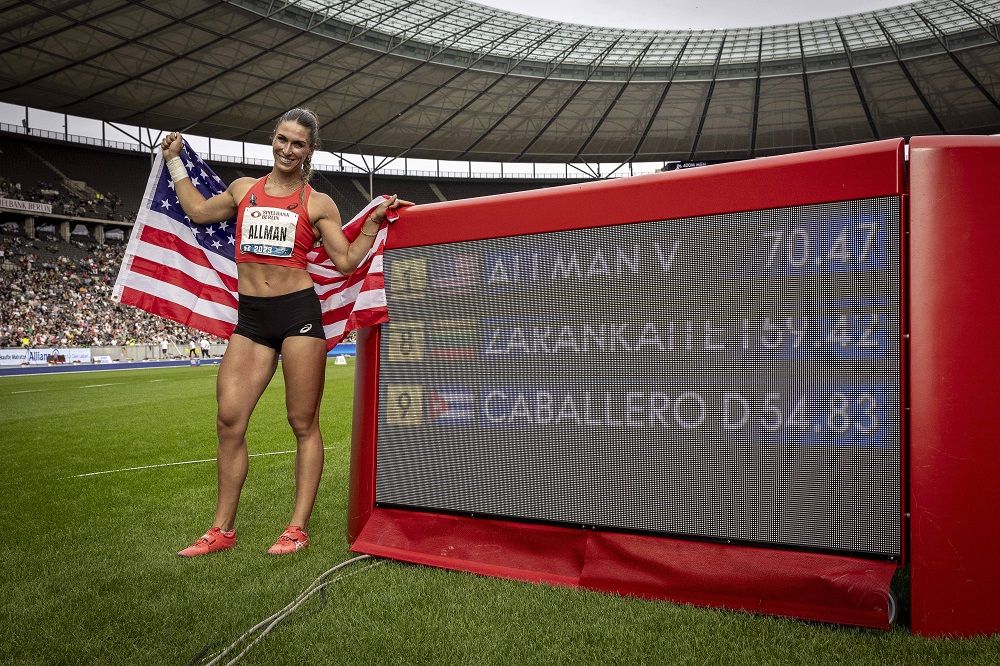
[177, 170]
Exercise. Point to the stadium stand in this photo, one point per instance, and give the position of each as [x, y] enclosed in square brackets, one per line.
[31, 174]
[118, 171]
[18, 165]
[229, 172]
[347, 194]
[416, 191]
[59, 291]
[121, 175]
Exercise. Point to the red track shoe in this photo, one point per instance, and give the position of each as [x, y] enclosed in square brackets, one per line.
[293, 539]
[211, 541]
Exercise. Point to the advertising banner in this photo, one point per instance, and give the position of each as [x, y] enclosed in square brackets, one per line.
[45, 355]
[13, 356]
[26, 206]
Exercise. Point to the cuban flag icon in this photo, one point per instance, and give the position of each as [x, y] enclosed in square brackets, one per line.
[450, 405]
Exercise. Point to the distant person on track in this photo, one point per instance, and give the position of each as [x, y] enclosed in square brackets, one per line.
[164, 348]
[205, 348]
[278, 219]
[192, 349]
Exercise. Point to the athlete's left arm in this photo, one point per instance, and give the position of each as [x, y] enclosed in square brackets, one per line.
[347, 255]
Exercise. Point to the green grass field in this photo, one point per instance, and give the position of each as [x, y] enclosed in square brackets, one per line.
[91, 576]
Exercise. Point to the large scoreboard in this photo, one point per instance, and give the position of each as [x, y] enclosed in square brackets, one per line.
[729, 376]
[691, 386]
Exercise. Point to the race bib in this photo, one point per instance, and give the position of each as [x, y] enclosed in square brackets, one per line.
[268, 231]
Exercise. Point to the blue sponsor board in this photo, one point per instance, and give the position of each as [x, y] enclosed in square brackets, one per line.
[344, 348]
[102, 367]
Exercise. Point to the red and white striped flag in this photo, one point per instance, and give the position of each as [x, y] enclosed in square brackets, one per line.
[186, 272]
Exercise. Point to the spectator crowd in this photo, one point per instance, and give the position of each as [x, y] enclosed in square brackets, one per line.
[96, 205]
[58, 294]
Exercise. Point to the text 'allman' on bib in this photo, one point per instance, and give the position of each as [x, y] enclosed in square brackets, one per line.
[268, 231]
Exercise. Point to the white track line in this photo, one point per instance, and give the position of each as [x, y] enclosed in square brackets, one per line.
[183, 462]
[88, 386]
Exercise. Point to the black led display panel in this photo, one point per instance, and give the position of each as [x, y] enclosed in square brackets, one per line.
[728, 377]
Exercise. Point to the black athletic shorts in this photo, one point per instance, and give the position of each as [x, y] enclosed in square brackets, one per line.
[268, 320]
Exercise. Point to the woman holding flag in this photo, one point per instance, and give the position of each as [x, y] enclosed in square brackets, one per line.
[278, 220]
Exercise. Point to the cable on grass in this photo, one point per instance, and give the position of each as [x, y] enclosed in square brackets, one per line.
[202, 652]
[323, 600]
[256, 633]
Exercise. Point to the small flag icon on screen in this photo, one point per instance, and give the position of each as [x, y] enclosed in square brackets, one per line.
[450, 405]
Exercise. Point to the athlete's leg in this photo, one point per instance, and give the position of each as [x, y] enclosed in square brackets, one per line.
[303, 364]
[244, 373]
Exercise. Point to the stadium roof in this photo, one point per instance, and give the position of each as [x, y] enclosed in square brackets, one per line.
[450, 79]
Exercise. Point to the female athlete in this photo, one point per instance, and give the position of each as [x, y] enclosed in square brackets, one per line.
[278, 219]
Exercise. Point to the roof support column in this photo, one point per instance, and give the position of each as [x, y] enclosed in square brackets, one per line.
[708, 99]
[977, 16]
[857, 82]
[663, 97]
[958, 63]
[756, 100]
[633, 68]
[805, 89]
[909, 77]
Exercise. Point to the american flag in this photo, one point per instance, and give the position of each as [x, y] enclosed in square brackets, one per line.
[186, 272]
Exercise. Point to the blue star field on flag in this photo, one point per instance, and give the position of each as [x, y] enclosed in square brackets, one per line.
[219, 238]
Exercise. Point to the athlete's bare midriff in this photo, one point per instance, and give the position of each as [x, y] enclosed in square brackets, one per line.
[269, 280]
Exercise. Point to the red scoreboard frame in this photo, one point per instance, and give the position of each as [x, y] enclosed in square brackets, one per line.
[949, 427]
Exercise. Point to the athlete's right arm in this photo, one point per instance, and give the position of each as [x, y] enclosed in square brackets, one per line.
[201, 210]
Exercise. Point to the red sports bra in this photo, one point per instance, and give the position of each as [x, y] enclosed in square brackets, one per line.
[274, 230]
